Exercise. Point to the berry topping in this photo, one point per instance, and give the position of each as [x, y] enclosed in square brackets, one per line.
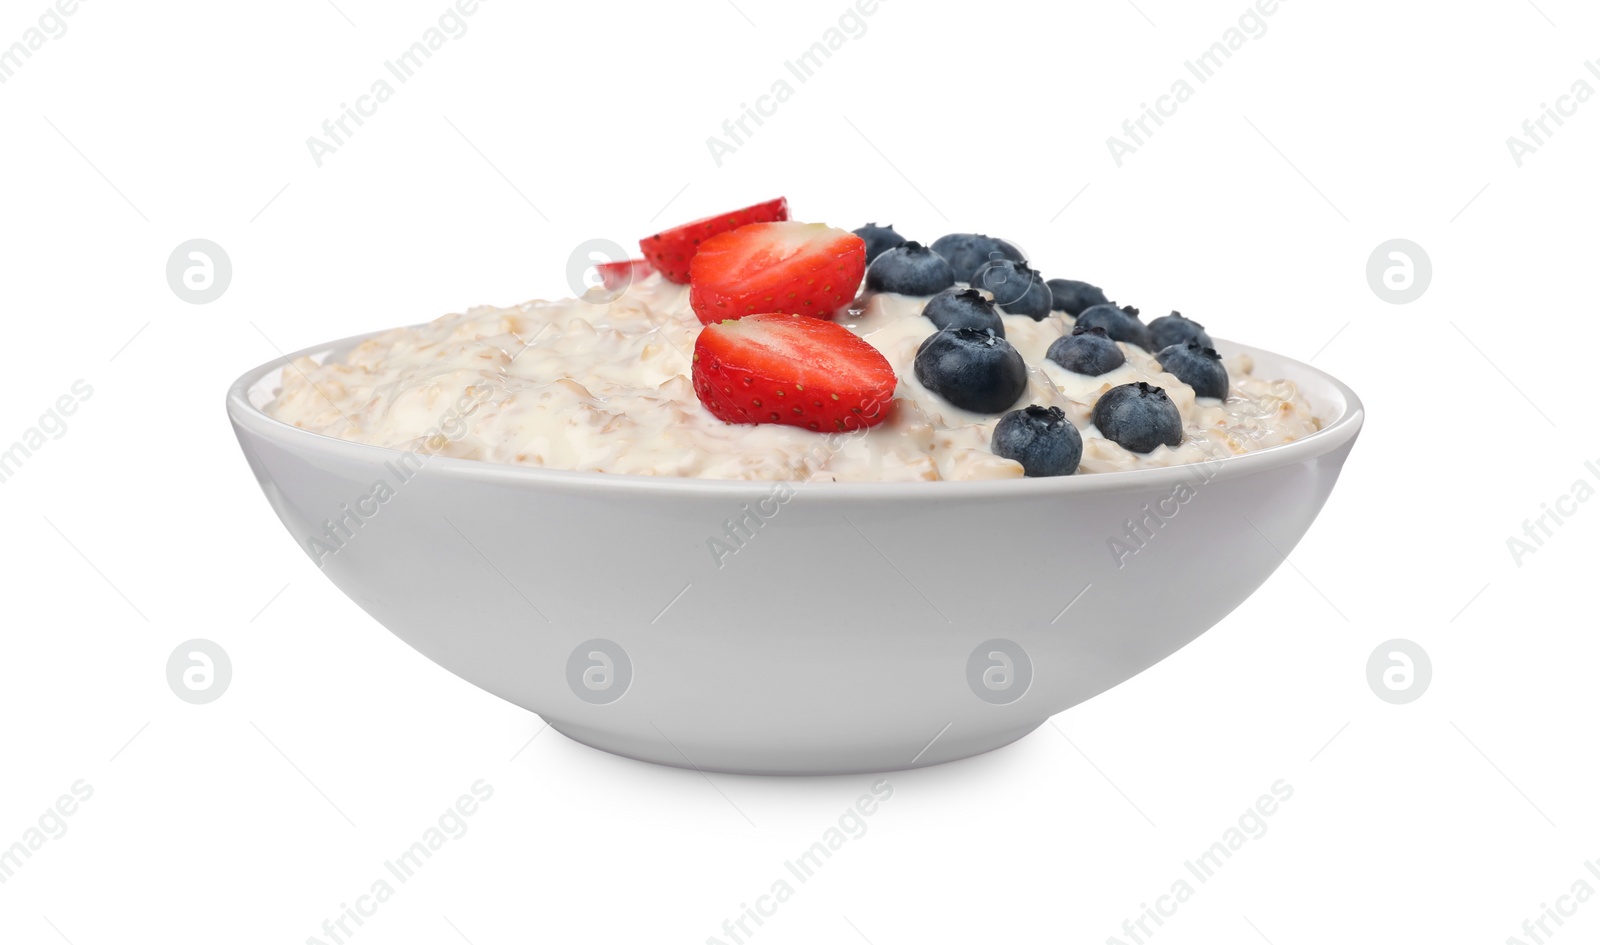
[969, 252]
[1199, 366]
[910, 269]
[1122, 324]
[963, 308]
[1088, 351]
[1072, 296]
[972, 368]
[1174, 329]
[620, 275]
[670, 250]
[1138, 417]
[788, 369]
[1017, 289]
[793, 268]
[1041, 439]
[879, 238]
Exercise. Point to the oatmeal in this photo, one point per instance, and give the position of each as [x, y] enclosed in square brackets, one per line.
[605, 386]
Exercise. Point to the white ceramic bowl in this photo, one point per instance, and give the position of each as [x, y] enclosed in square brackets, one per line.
[864, 627]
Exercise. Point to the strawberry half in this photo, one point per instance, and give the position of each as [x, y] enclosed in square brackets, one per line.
[670, 250]
[803, 372]
[795, 268]
[620, 275]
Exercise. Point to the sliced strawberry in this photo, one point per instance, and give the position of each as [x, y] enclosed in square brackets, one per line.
[796, 268]
[620, 275]
[670, 250]
[804, 372]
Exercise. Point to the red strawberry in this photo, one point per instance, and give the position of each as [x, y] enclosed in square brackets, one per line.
[670, 250]
[795, 268]
[620, 275]
[804, 372]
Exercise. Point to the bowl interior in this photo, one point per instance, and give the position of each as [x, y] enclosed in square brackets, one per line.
[1334, 404]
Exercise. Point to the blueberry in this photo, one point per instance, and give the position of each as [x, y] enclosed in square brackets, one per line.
[1174, 329]
[1138, 417]
[1089, 351]
[967, 252]
[910, 269]
[1199, 366]
[1041, 439]
[1122, 324]
[1017, 289]
[1072, 297]
[879, 238]
[972, 368]
[963, 308]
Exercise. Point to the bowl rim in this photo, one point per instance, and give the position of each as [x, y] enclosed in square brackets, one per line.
[1335, 433]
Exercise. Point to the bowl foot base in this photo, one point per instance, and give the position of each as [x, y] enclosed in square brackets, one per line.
[768, 757]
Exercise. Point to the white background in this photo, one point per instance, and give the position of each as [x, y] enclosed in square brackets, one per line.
[1254, 210]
